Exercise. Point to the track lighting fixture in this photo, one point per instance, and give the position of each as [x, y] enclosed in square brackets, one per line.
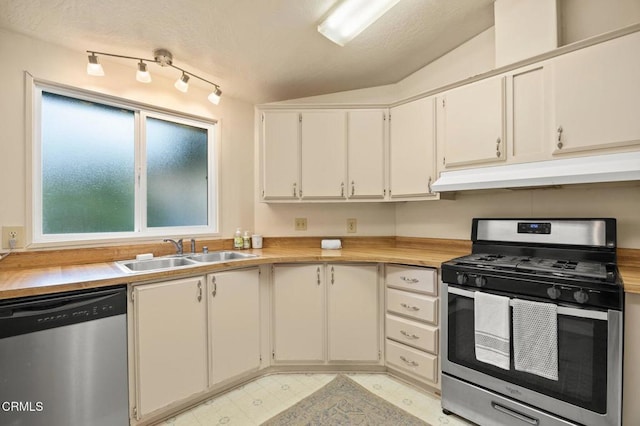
[162, 57]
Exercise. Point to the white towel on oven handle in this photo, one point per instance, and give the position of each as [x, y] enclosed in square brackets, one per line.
[492, 326]
[535, 338]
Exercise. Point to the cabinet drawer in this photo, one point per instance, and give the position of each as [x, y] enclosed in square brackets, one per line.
[418, 335]
[424, 308]
[412, 360]
[422, 280]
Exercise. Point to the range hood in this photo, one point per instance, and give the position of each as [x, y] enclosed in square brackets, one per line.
[593, 169]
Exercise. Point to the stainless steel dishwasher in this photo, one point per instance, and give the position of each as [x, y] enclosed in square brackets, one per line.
[63, 359]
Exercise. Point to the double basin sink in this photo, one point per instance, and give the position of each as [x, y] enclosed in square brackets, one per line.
[180, 261]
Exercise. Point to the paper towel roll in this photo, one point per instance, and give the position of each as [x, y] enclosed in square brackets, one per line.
[331, 244]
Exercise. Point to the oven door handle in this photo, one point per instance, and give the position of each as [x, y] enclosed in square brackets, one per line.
[562, 310]
[515, 414]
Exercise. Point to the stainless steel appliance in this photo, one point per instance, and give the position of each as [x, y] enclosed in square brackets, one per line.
[63, 359]
[568, 264]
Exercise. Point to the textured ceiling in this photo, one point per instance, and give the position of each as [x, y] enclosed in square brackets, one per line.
[257, 50]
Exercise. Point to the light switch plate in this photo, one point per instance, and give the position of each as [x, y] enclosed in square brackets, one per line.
[9, 232]
[352, 225]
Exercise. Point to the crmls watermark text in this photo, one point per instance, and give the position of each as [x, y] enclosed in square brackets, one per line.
[21, 406]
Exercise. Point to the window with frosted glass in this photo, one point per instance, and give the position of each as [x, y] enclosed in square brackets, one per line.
[88, 155]
[111, 168]
[176, 174]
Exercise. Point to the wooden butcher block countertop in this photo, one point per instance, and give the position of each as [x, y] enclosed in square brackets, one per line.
[28, 274]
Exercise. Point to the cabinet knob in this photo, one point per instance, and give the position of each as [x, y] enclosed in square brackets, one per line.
[498, 153]
[199, 291]
[353, 188]
[342, 189]
[295, 189]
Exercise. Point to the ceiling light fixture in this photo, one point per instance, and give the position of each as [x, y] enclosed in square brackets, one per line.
[351, 17]
[162, 57]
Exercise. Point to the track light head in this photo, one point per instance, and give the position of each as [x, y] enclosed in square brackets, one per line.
[182, 84]
[94, 67]
[214, 97]
[142, 75]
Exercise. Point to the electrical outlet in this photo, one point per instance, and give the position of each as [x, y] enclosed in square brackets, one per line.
[301, 223]
[11, 233]
[352, 225]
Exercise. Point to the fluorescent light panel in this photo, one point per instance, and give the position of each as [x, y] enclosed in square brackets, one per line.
[351, 17]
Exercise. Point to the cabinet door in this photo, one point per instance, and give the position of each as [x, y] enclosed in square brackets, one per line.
[597, 96]
[528, 114]
[323, 154]
[234, 323]
[474, 123]
[353, 313]
[299, 313]
[280, 155]
[365, 141]
[412, 149]
[170, 342]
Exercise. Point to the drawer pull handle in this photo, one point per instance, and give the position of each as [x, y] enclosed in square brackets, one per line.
[410, 336]
[410, 280]
[411, 363]
[411, 308]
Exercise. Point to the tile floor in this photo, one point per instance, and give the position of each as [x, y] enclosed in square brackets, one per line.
[265, 397]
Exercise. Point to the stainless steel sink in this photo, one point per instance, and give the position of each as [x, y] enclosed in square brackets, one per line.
[155, 264]
[177, 261]
[219, 256]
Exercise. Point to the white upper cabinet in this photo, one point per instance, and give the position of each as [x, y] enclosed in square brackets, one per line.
[412, 149]
[528, 121]
[324, 150]
[280, 155]
[366, 159]
[596, 96]
[473, 123]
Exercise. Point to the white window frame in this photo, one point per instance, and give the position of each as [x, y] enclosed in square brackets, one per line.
[141, 112]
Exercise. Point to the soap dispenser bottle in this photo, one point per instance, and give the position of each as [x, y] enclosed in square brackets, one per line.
[237, 239]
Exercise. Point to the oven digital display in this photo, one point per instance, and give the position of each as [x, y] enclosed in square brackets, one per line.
[534, 228]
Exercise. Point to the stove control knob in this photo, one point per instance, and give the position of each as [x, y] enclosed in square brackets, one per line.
[581, 296]
[480, 281]
[461, 278]
[554, 292]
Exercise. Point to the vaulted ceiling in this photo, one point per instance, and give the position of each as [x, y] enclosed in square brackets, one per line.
[257, 50]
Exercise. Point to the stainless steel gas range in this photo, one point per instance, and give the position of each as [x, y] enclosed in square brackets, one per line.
[532, 324]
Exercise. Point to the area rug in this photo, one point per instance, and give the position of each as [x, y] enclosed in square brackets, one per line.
[344, 402]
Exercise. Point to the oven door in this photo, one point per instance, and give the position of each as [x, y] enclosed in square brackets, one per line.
[588, 389]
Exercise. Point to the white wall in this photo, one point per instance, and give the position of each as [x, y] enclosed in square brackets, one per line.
[582, 19]
[57, 64]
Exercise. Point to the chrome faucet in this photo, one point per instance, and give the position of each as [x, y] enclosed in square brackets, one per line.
[178, 244]
[193, 246]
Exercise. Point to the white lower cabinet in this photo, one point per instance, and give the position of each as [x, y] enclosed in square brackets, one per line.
[412, 322]
[352, 313]
[326, 313]
[298, 313]
[170, 338]
[234, 323]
